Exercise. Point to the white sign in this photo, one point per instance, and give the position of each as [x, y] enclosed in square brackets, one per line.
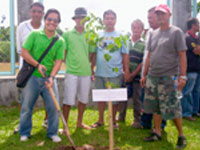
[99, 95]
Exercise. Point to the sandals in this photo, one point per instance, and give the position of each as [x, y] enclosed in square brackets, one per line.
[153, 137]
[96, 125]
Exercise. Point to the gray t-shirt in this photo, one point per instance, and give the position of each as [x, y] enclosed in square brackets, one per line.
[164, 47]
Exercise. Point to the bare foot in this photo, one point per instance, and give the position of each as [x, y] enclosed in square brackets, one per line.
[84, 126]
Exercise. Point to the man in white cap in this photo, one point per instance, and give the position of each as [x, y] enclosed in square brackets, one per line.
[166, 59]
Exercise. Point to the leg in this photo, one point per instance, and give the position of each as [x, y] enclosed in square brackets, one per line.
[196, 95]
[29, 97]
[114, 112]
[157, 123]
[137, 105]
[84, 84]
[187, 100]
[70, 91]
[178, 124]
[123, 105]
[53, 116]
[81, 108]
[101, 108]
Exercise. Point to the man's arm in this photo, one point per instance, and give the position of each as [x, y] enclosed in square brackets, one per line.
[54, 71]
[146, 68]
[183, 69]
[92, 58]
[126, 66]
[29, 59]
[18, 40]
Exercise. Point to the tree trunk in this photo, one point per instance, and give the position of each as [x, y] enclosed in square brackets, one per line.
[23, 7]
[181, 13]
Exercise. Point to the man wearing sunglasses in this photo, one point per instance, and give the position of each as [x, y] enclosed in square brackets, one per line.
[32, 49]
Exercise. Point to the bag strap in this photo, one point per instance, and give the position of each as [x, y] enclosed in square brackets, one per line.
[48, 48]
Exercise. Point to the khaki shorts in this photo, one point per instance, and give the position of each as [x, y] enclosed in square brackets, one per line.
[160, 97]
[76, 87]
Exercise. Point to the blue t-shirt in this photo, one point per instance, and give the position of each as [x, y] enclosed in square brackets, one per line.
[104, 68]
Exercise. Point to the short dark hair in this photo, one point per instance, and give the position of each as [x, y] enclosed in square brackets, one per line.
[52, 10]
[37, 4]
[139, 22]
[152, 9]
[190, 22]
[109, 12]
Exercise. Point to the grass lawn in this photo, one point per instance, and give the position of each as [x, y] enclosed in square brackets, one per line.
[126, 138]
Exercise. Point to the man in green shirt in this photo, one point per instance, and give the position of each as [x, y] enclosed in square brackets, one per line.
[32, 49]
[78, 72]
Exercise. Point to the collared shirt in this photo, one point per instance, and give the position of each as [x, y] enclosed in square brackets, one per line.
[77, 60]
[104, 68]
[136, 51]
[37, 42]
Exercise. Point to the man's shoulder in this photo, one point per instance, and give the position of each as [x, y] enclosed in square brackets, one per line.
[68, 33]
[24, 23]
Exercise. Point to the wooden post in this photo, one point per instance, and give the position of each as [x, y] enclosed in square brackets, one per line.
[110, 113]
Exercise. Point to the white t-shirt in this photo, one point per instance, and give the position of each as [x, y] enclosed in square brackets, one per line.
[23, 31]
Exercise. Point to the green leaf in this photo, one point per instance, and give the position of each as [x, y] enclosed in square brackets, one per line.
[116, 69]
[118, 42]
[111, 85]
[107, 57]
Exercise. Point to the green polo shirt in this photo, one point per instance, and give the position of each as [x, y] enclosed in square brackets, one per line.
[36, 44]
[77, 60]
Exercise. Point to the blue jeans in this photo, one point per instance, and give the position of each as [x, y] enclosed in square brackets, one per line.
[187, 100]
[196, 95]
[34, 88]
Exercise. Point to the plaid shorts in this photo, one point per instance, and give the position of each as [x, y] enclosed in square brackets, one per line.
[160, 97]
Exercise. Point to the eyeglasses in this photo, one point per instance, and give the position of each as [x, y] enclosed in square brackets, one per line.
[51, 19]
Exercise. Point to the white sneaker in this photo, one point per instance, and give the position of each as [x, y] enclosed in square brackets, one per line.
[56, 138]
[45, 124]
[23, 138]
[16, 129]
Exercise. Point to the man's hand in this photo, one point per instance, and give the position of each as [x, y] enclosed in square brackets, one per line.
[143, 81]
[49, 82]
[126, 76]
[197, 50]
[42, 69]
[181, 84]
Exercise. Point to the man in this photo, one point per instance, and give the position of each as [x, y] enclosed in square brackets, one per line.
[104, 70]
[166, 52]
[23, 30]
[190, 100]
[78, 72]
[146, 119]
[32, 49]
[135, 55]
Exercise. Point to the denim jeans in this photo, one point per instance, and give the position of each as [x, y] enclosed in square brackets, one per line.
[34, 88]
[187, 100]
[196, 95]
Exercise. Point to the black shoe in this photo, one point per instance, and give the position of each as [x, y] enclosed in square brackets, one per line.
[182, 142]
[153, 137]
[196, 115]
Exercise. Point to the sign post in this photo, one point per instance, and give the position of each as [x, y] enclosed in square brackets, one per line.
[110, 95]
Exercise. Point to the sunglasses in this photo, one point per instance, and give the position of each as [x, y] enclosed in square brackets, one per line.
[51, 19]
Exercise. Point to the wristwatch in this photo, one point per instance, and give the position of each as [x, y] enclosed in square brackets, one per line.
[183, 77]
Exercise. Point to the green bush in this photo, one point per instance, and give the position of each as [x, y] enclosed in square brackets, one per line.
[4, 51]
